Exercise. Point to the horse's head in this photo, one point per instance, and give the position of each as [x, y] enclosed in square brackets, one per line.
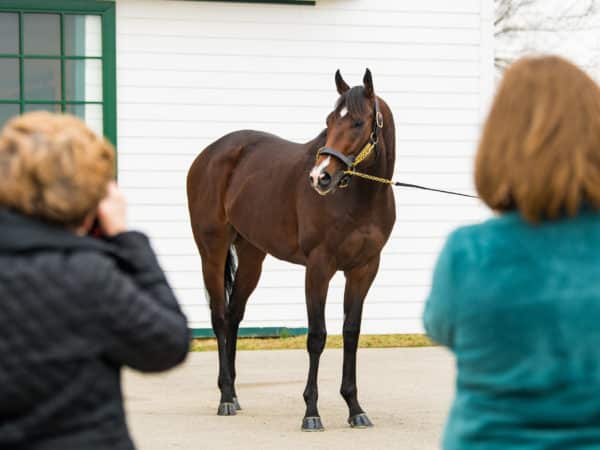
[352, 125]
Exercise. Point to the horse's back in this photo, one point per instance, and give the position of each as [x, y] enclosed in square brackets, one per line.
[218, 157]
[232, 144]
[241, 173]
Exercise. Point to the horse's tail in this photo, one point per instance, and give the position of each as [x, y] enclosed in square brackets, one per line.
[230, 270]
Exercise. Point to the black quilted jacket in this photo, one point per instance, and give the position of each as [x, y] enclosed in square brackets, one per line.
[73, 311]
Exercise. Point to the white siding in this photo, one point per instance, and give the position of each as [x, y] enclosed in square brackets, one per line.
[189, 72]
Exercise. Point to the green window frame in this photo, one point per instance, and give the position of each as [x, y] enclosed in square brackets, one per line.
[106, 11]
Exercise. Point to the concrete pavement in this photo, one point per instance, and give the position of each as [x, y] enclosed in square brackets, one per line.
[406, 393]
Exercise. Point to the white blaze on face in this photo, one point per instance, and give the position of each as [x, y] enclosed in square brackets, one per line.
[316, 171]
[343, 112]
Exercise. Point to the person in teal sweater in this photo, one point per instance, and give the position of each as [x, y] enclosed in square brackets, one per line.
[517, 298]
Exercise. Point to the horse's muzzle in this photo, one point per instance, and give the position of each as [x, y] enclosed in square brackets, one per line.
[324, 180]
[325, 183]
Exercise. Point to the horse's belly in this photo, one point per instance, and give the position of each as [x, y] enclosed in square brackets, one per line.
[272, 243]
[268, 224]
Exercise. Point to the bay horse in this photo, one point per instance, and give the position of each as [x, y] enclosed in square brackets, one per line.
[255, 194]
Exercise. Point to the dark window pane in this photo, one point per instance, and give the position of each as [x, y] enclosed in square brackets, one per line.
[91, 114]
[41, 34]
[42, 79]
[9, 33]
[83, 80]
[42, 107]
[6, 112]
[76, 110]
[9, 79]
[83, 35]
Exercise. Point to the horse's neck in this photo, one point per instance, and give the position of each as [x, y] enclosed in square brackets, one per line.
[389, 138]
[318, 142]
[389, 156]
[385, 155]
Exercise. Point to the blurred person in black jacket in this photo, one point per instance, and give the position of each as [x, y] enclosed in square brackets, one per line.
[74, 309]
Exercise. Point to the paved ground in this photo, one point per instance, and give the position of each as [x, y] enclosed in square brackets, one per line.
[406, 393]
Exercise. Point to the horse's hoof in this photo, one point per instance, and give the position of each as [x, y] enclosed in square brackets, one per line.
[360, 421]
[237, 404]
[226, 409]
[312, 424]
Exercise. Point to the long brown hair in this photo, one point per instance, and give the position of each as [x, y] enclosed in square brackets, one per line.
[540, 148]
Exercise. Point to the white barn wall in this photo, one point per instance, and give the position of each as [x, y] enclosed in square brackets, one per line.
[189, 72]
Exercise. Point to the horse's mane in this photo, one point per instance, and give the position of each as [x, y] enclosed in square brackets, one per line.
[353, 100]
[318, 141]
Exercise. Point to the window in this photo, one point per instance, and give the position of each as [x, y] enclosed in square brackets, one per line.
[59, 56]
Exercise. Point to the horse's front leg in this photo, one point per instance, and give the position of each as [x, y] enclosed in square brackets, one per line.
[358, 282]
[319, 271]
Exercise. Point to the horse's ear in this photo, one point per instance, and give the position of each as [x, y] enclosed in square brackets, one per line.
[342, 86]
[368, 82]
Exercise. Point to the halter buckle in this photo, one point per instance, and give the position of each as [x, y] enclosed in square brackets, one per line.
[379, 119]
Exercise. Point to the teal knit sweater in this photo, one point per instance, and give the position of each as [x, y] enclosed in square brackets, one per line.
[519, 306]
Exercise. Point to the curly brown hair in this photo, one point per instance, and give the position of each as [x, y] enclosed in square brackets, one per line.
[53, 167]
[540, 149]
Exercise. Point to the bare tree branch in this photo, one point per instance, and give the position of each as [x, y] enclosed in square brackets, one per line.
[516, 21]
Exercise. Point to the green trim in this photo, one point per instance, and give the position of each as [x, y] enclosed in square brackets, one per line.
[64, 6]
[253, 332]
[280, 2]
[109, 74]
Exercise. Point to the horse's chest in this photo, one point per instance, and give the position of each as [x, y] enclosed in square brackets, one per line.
[359, 247]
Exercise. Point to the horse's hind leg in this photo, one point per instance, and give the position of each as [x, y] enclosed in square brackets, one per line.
[214, 250]
[358, 282]
[250, 261]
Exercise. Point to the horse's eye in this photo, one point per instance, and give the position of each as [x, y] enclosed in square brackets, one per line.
[357, 124]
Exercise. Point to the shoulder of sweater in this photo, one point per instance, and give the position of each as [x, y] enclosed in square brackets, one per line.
[470, 241]
[494, 224]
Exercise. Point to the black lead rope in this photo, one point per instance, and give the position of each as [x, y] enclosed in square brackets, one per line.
[416, 186]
